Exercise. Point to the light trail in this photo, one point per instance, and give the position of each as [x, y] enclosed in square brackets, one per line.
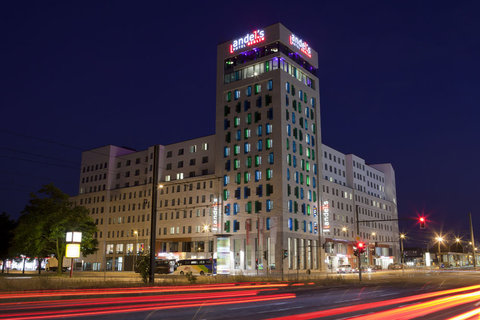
[122, 300]
[148, 307]
[466, 315]
[118, 291]
[372, 305]
[422, 308]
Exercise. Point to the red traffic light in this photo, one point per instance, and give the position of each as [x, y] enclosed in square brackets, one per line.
[361, 244]
[422, 220]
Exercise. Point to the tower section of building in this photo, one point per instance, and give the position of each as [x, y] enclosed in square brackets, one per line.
[268, 138]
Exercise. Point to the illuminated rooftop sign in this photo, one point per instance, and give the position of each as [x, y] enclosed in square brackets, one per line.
[300, 44]
[247, 40]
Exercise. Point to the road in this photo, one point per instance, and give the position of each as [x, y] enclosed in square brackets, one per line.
[431, 296]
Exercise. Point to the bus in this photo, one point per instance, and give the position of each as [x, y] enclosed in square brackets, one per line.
[196, 266]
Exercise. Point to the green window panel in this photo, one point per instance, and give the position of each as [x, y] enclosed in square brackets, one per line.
[249, 162]
[248, 207]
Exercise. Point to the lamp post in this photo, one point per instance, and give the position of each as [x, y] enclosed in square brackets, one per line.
[402, 236]
[135, 232]
[439, 241]
[206, 229]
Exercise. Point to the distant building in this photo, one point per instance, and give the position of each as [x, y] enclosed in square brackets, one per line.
[264, 185]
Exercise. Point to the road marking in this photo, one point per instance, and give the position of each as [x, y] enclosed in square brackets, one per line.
[356, 299]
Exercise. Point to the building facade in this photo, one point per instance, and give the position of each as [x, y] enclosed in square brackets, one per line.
[264, 186]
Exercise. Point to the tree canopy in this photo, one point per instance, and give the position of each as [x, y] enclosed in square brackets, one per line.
[7, 225]
[46, 219]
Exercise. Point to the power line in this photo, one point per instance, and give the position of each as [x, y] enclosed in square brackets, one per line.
[36, 155]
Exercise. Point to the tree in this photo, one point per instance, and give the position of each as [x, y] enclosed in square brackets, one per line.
[7, 226]
[45, 220]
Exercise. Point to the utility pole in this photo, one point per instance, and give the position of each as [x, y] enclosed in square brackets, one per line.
[473, 242]
[359, 254]
[153, 216]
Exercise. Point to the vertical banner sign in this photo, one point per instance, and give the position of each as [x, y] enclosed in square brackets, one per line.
[223, 255]
[326, 216]
[215, 215]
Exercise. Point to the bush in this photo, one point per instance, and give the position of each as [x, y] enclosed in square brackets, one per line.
[143, 266]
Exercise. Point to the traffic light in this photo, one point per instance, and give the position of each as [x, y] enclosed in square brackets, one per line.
[361, 247]
[421, 221]
[285, 254]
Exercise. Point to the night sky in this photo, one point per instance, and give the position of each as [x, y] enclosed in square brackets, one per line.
[399, 83]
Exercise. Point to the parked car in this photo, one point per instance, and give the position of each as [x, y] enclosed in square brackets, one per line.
[346, 268]
[394, 266]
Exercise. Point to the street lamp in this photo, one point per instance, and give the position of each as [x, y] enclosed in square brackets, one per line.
[402, 236]
[439, 241]
[135, 232]
[206, 229]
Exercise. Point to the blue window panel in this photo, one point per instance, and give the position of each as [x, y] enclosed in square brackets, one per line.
[226, 180]
[259, 130]
[296, 176]
[246, 192]
[303, 208]
[310, 229]
[287, 87]
[227, 209]
[294, 147]
[313, 141]
[287, 100]
[235, 208]
[249, 91]
[259, 145]
[304, 226]
[236, 225]
[268, 128]
[309, 195]
[288, 174]
[315, 168]
[306, 124]
[289, 130]
[238, 134]
[268, 223]
[290, 224]
[294, 161]
[293, 118]
[290, 206]
[226, 152]
[301, 193]
[314, 182]
[269, 205]
[237, 94]
[270, 158]
[227, 165]
[270, 84]
[258, 175]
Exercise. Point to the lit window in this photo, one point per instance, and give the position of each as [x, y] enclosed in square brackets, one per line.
[259, 130]
[247, 133]
[167, 178]
[236, 149]
[258, 160]
[236, 122]
[248, 91]
[193, 148]
[228, 96]
[180, 176]
[237, 94]
[226, 151]
[269, 205]
[270, 85]
[226, 180]
[270, 158]
[248, 162]
[236, 164]
[259, 145]
[269, 174]
[268, 128]
[258, 175]
[258, 88]
[247, 177]
[269, 143]
[287, 87]
[247, 147]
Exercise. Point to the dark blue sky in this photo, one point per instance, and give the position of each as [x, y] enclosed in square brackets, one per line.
[399, 83]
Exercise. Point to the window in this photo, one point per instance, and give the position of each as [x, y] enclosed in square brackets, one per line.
[269, 128]
[204, 159]
[248, 91]
[270, 85]
[269, 143]
[193, 148]
[258, 88]
[258, 175]
[247, 147]
[269, 205]
[259, 130]
[236, 149]
[258, 160]
[270, 158]
[237, 94]
[180, 152]
[236, 122]
[248, 162]
[287, 87]
[259, 145]
[226, 152]
[269, 174]
[228, 97]
[236, 164]
[247, 133]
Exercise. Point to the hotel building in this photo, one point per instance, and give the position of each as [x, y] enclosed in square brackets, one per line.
[261, 195]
